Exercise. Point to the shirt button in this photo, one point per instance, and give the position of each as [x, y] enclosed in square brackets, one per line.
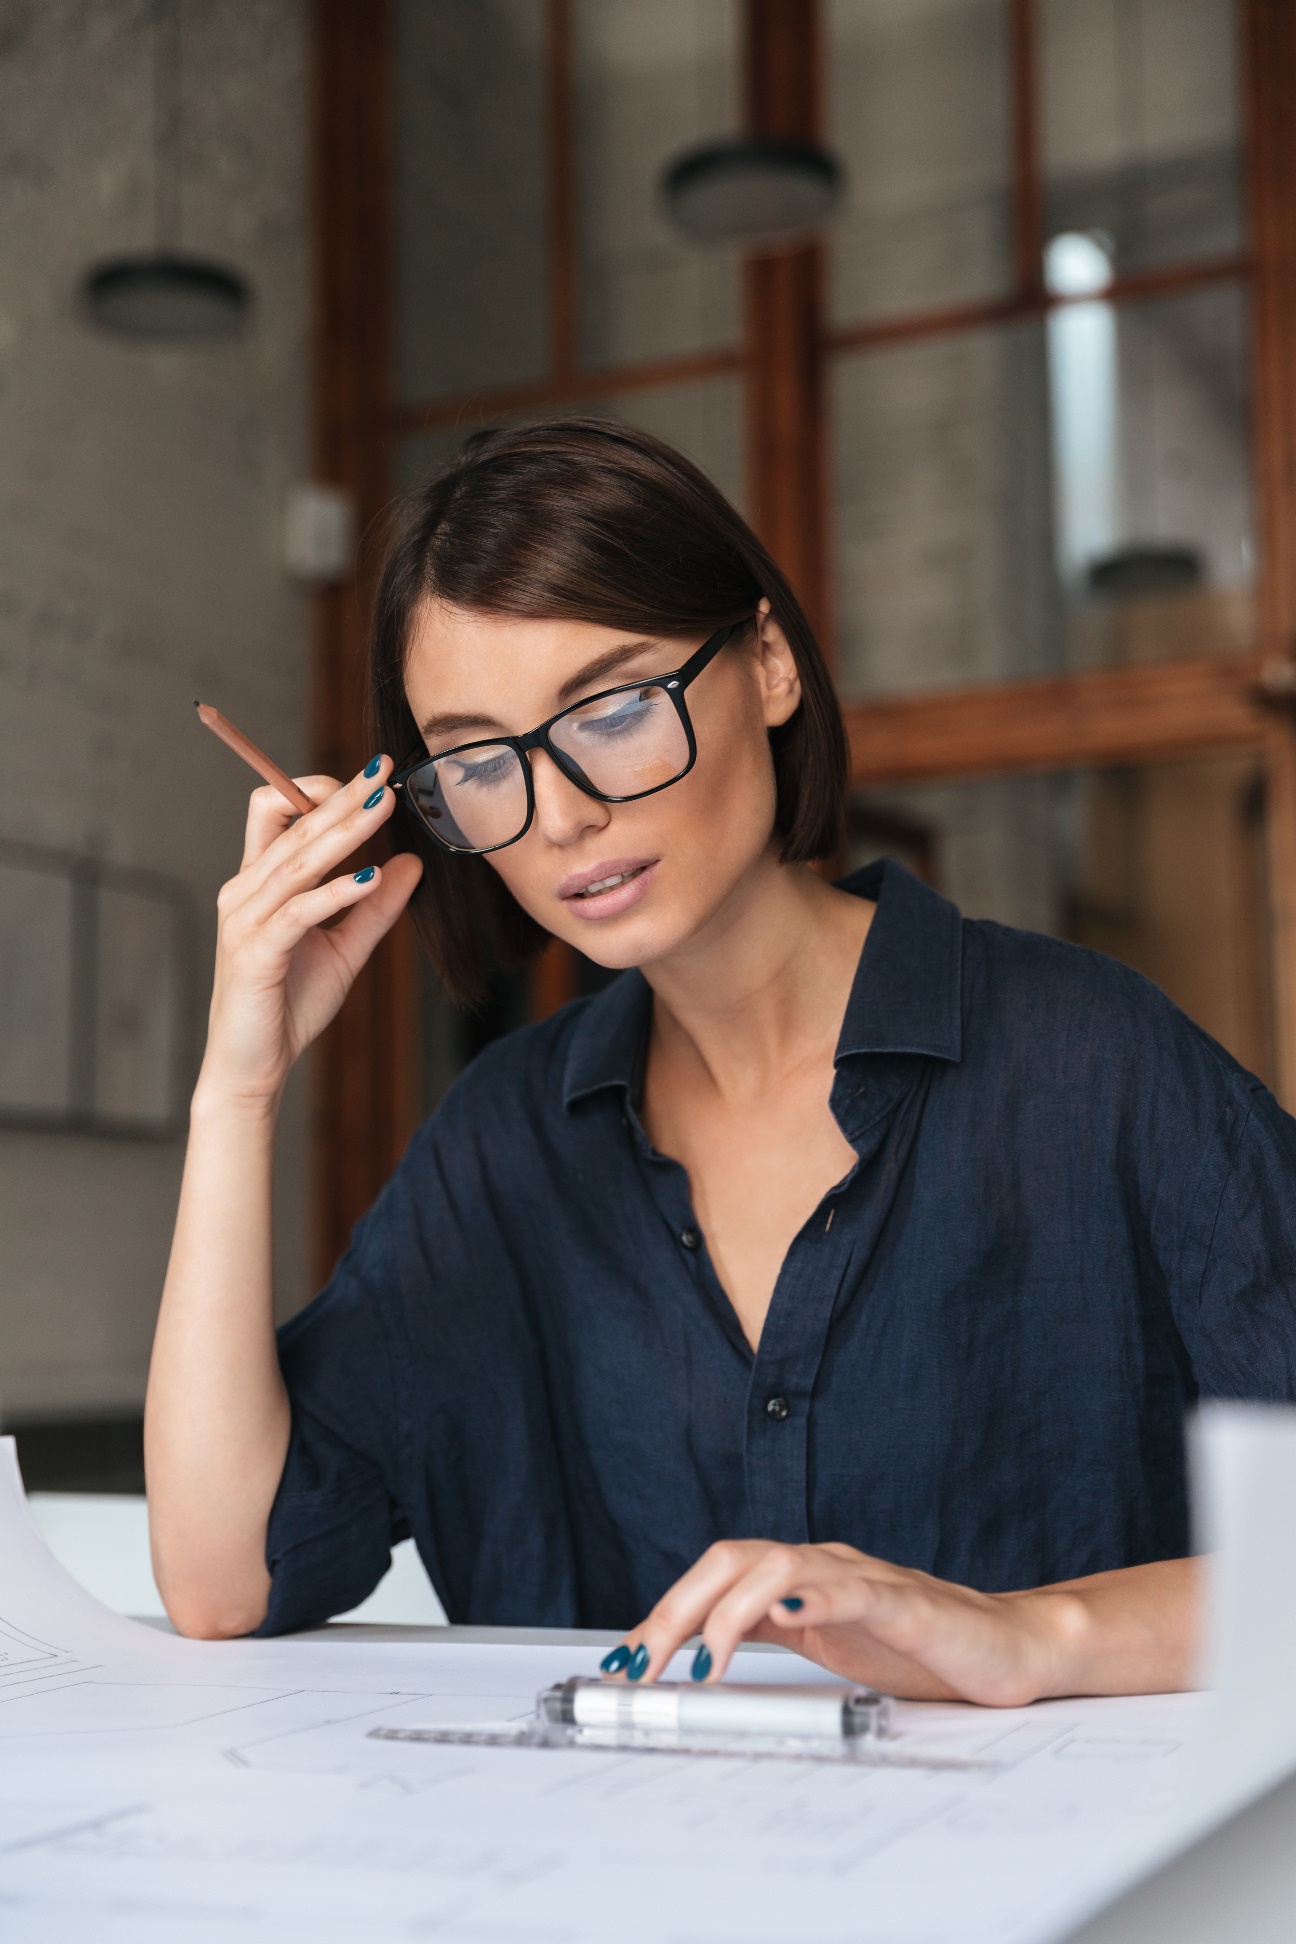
[776, 1407]
[690, 1238]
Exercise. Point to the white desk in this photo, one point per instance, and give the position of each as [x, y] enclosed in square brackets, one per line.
[1236, 1886]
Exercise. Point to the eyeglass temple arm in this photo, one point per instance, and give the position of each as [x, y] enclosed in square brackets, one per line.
[707, 652]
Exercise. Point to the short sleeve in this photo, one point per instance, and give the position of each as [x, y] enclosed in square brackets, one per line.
[1245, 1334]
[418, 1385]
[335, 1517]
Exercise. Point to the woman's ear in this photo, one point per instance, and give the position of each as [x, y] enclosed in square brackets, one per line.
[779, 677]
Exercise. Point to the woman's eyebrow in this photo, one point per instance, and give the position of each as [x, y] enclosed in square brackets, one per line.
[584, 678]
[450, 725]
[603, 665]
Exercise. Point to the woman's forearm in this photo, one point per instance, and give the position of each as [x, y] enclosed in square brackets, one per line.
[1133, 1631]
[217, 1416]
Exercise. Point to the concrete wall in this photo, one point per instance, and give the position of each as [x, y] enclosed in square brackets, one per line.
[141, 495]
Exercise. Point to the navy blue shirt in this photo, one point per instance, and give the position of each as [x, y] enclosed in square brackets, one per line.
[1070, 1215]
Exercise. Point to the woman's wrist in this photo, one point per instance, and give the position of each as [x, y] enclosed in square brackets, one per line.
[216, 1101]
[1058, 1637]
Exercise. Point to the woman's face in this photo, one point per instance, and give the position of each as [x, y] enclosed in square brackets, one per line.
[626, 883]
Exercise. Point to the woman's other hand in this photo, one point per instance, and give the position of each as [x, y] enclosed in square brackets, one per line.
[280, 978]
[887, 1627]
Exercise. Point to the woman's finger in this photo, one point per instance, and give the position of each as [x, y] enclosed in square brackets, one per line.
[290, 923]
[893, 1610]
[286, 831]
[374, 915]
[775, 1576]
[312, 850]
[681, 1611]
[270, 813]
[280, 831]
[931, 1638]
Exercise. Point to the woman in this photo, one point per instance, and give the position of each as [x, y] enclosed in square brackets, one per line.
[840, 1275]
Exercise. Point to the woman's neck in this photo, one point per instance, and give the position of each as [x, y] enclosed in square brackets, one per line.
[762, 989]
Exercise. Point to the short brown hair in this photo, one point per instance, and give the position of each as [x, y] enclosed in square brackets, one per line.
[583, 519]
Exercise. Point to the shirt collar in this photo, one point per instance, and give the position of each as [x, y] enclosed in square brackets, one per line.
[607, 1046]
[906, 998]
[908, 991]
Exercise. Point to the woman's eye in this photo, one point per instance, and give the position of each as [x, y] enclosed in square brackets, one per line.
[628, 716]
[487, 770]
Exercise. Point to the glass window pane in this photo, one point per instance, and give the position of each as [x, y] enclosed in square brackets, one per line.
[1152, 466]
[471, 303]
[651, 82]
[942, 500]
[1141, 125]
[918, 94]
[1161, 865]
[1034, 499]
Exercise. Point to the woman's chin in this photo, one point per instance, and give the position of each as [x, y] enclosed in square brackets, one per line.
[639, 938]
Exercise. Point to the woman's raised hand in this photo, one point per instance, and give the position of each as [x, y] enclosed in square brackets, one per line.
[279, 977]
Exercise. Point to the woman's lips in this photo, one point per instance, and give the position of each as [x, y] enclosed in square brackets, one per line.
[608, 889]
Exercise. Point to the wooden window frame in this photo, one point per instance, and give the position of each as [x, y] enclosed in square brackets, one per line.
[366, 1066]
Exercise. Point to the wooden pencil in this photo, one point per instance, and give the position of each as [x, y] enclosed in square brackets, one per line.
[255, 758]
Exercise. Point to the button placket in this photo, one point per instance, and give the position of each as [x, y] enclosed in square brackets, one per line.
[787, 1365]
[668, 1186]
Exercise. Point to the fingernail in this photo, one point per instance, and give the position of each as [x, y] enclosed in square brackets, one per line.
[373, 766]
[617, 1661]
[637, 1663]
[701, 1664]
[363, 877]
[377, 797]
[792, 1603]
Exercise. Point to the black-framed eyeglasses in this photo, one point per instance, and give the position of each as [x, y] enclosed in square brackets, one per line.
[622, 744]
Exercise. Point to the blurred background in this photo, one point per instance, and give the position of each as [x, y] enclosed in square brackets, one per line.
[983, 311]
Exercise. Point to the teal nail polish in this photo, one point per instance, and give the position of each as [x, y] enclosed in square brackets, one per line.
[792, 1603]
[373, 766]
[377, 797]
[363, 877]
[617, 1661]
[701, 1663]
[637, 1664]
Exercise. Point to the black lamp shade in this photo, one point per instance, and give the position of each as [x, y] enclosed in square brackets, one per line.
[755, 190]
[163, 298]
[1149, 568]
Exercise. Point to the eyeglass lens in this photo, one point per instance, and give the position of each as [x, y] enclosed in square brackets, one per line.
[621, 745]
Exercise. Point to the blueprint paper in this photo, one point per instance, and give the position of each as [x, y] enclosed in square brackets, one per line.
[157, 1789]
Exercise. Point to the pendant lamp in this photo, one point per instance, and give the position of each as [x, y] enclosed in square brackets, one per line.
[754, 190]
[166, 295]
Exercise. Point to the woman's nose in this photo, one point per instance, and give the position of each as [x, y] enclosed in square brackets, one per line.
[563, 813]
